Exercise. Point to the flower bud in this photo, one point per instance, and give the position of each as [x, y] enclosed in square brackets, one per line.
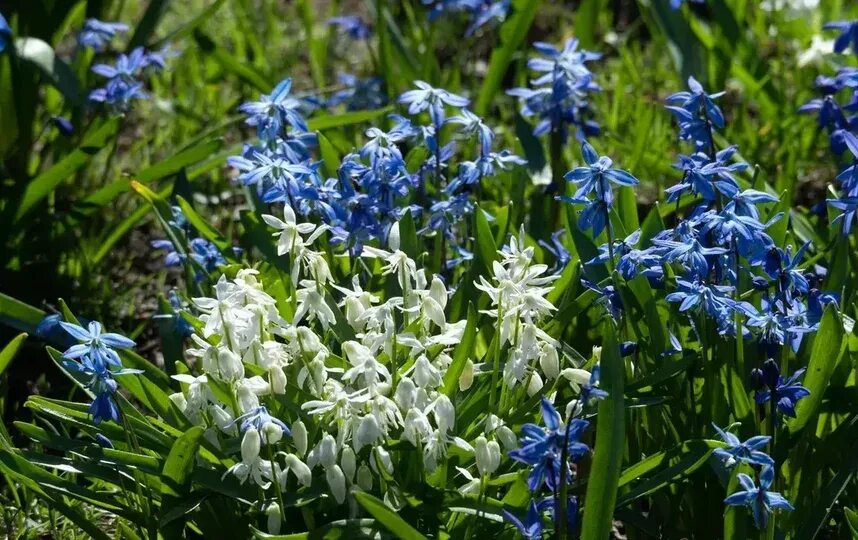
[549, 361]
[299, 437]
[507, 438]
[597, 352]
[271, 433]
[445, 414]
[222, 419]
[247, 400]
[434, 311]
[364, 478]
[274, 518]
[348, 463]
[487, 455]
[337, 482]
[300, 469]
[466, 379]
[367, 432]
[277, 379]
[405, 393]
[179, 401]
[393, 237]
[438, 292]
[425, 374]
[573, 409]
[229, 365]
[250, 445]
[381, 457]
[535, 384]
[328, 451]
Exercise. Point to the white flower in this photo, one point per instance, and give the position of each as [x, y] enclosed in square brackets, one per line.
[290, 233]
[368, 432]
[817, 51]
[364, 478]
[487, 455]
[348, 463]
[466, 379]
[311, 302]
[299, 437]
[298, 468]
[337, 482]
[274, 518]
[364, 366]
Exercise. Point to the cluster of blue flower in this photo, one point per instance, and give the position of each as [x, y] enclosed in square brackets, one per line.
[95, 362]
[124, 78]
[719, 245]
[559, 97]
[832, 116]
[374, 187]
[479, 12]
[203, 255]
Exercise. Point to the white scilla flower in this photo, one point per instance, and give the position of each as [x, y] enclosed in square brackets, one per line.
[368, 432]
[486, 455]
[348, 463]
[535, 384]
[507, 438]
[277, 378]
[466, 379]
[274, 521]
[327, 451]
[549, 361]
[336, 482]
[251, 443]
[299, 437]
[298, 468]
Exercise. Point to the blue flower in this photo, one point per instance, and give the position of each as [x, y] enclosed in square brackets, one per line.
[542, 448]
[598, 176]
[5, 33]
[96, 34]
[352, 25]
[561, 255]
[181, 326]
[759, 499]
[494, 12]
[433, 99]
[848, 35]
[531, 527]
[257, 419]
[100, 381]
[674, 4]
[591, 390]
[781, 265]
[98, 347]
[607, 297]
[118, 93]
[696, 100]
[707, 178]
[359, 94]
[848, 207]
[745, 203]
[785, 392]
[273, 111]
[474, 125]
[743, 452]
[692, 255]
[63, 125]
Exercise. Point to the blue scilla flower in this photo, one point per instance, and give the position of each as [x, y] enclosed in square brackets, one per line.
[531, 526]
[782, 265]
[63, 125]
[432, 99]
[744, 203]
[461, 256]
[692, 255]
[848, 35]
[471, 125]
[561, 255]
[695, 100]
[761, 501]
[273, 111]
[488, 13]
[786, 393]
[118, 93]
[541, 448]
[591, 391]
[95, 345]
[692, 128]
[707, 178]
[5, 33]
[97, 34]
[263, 169]
[675, 4]
[127, 66]
[471, 172]
[695, 296]
[607, 297]
[726, 227]
[556, 109]
[99, 380]
[567, 64]
[359, 94]
[445, 215]
[598, 175]
[743, 452]
[848, 207]
[181, 327]
[351, 25]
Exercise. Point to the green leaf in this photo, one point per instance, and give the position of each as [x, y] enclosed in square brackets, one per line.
[463, 351]
[230, 63]
[330, 156]
[155, 10]
[40, 54]
[20, 316]
[512, 34]
[328, 121]
[852, 521]
[202, 226]
[95, 139]
[827, 350]
[610, 442]
[10, 350]
[387, 517]
[176, 475]
[816, 519]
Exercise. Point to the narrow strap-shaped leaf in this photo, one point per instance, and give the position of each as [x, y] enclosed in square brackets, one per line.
[10, 350]
[610, 442]
[387, 517]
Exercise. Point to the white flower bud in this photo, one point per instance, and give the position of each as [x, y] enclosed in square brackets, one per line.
[425, 374]
[179, 401]
[328, 451]
[354, 310]
[222, 418]
[364, 478]
[578, 377]
[507, 438]
[247, 400]
[434, 311]
[367, 432]
[210, 362]
[300, 469]
[383, 457]
[535, 384]
[487, 455]
[271, 433]
[337, 482]
[466, 379]
[230, 366]
[597, 352]
[299, 437]
[348, 463]
[549, 361]
[445, 414]
[250, 446]
[277, 379]
[416, 426]
[274, 518]
[438, 292]
[573, 408]
[406, 393]
[393, 237]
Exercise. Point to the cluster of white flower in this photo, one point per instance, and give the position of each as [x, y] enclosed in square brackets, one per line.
[388, 382]
[518, 293]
